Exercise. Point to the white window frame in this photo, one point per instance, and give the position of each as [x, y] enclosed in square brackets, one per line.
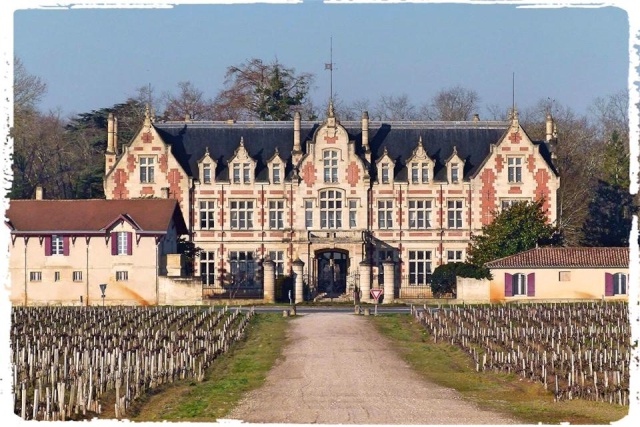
[121, 243]
[207, 268]
[147, 169]
[236, 173]
[455, 255]
[207, 214]
[77, 276]
[331, 209]
[454, 213]
[246, 173]
[619, 284]
[353, 213]
[419, 267]
[385, 214]
[455, 172]
[122, 276]
[385, 173]
[241, 214]
[514, 169]
[308, 214]
[519, 284]
[57, 245]
[419, 214]
[275, 173]
[330, 165]
[415, 173]
[206, 173]
[35, 276]
[276, 214]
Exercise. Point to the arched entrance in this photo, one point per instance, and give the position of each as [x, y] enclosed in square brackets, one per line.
[331, 271]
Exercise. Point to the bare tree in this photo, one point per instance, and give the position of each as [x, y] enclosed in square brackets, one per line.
[189, 101]
[28, 89]
[390, 107]
[454, 104]
[611, 114]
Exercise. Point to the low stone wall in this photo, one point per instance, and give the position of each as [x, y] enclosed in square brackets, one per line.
[180, 291]
[472, 290]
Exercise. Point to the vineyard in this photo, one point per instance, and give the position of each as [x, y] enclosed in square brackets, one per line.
[577, 351]
[67, 360]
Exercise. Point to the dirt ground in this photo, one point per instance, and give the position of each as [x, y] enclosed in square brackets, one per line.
[337, 369]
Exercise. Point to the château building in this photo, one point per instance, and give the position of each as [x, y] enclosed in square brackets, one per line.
[346, 203]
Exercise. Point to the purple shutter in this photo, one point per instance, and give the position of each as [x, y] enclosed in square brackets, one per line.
[114, 243]
[531, 284]
[608, 284]
[129, 243]
[47, 246]
[508, 285]
[65, 245]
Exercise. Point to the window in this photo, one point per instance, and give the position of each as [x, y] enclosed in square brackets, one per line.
[454, 213]
[518, 284]
[507, 203]
[385, 213]
[425, 172]
[206, 214]
[77, 276]
[57, 245]
[278, 260]
[415, 173]
[353, 213]
[619, 284]
[243, 267]
[308, 213]
[454, 256]
[56, 276]
[384, 171]
[330, 209]
[122, 245]
[236, 173]
[419, 268]
[122, 276]
[206, 173]
[419, 214]
[35, 276]
[242, 214]
[276, 213]
[454, 172]
[146, 169]
[207, 268]
[564, 276]
[246, 173]
[514, 169]
[330, 161]
[275, 173]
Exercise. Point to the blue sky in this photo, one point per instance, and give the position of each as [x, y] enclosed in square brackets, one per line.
[94, 58]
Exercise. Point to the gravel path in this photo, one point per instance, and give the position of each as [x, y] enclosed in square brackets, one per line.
[337, 369]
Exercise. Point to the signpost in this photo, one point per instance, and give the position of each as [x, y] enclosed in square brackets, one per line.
[103, 287]
[375, 294]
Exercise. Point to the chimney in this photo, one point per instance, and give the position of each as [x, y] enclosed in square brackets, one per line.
[365, 135]
[110, 149]
[187, 117]
[115, 135]
[39, 192]
[476, 117]
[549, 128]
[296, 132]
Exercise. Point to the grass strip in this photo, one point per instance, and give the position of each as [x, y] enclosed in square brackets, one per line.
[243, 368]
[449, 366]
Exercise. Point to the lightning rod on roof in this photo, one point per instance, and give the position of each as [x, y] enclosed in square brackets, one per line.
[329, 66]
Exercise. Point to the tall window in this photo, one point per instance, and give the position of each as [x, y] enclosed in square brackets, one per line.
[122, 243]
[424, 167]
[330, 209]
[206, 214]
[454, 172]
[146, 169]
[236, 173]
[330, 161]
[278, 260]
[384, 170]
[454, 256]
[206, 173]
[514, 169]
[241, 214]
[243, 267]
[454, 213]
[57, 245]
[353, 213]
[276, 214]
[419, 214]
[519, 284]
[246, 173]
[385, 213]
[308, 213]
[207, 267]
[415, 173]
[419, 267]
[275, 173]
[619, 284]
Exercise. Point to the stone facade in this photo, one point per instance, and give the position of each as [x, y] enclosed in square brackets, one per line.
[334, 195]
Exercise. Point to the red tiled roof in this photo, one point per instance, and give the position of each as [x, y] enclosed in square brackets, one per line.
[565, 257]
[91, 215]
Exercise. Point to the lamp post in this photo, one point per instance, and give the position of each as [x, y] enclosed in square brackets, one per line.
[103, 287]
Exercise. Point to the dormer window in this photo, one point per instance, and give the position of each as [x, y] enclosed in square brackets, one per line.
[275, 173]
[241, 173]
[454, 172]
[424, 167]
[236, 173]
[419, 173]
[384, 171]
[246, 173]
[206, 173]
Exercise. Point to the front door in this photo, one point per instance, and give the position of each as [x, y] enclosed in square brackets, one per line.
[332, 266]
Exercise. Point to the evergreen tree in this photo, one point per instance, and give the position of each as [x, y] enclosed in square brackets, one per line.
[518, 228]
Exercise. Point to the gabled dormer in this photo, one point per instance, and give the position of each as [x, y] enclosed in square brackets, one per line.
[419, 165]
[206, 168]
[276, 168]
[384, 167]
[455, 167]
[241, 166]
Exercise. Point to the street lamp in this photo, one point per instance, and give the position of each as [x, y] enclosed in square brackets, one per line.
[103, 287]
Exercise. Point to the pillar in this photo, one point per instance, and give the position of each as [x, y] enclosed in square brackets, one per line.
[298, 264]
[365, 281]
[269, 280]
[389, 281]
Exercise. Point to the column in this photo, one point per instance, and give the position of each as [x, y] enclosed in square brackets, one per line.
[298, 264]
[269, 280]
[389, 281]
[365, 281]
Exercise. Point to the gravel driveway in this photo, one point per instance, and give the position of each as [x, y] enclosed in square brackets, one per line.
[337, 369]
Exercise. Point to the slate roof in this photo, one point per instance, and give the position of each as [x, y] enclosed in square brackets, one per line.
[471, 139]
[571, 257]
[91, 215]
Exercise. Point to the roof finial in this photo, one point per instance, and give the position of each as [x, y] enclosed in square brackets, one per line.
[242, 141]
[330, 111]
